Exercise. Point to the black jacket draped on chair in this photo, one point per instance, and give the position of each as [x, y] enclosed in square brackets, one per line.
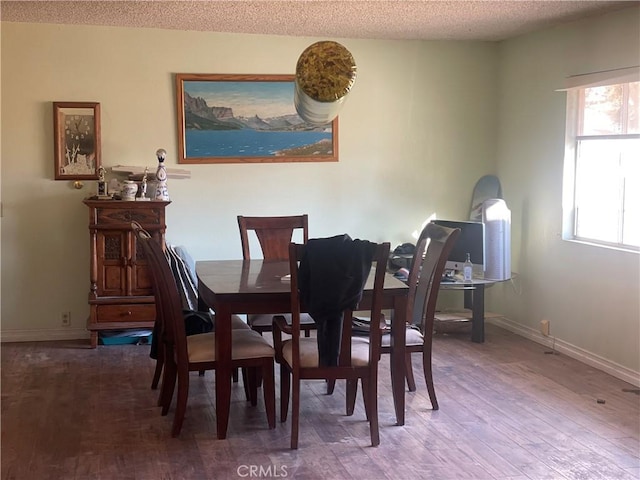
[331, 277]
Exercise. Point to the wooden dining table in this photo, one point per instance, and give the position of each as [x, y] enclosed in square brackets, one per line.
[257, 286]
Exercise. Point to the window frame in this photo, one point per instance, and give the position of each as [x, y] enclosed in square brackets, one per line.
[575, 113]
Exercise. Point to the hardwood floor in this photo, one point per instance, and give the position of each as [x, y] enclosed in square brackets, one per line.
[507, 411]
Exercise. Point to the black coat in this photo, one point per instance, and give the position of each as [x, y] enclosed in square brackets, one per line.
[331, 277]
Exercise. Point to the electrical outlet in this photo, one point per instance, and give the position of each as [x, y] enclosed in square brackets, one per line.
[544, 327]
[65, 319]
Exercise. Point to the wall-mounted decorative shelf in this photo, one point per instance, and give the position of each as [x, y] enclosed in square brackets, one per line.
[135, 171]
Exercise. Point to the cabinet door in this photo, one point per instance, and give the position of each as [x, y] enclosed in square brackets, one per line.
[112, 253]
[140, 275]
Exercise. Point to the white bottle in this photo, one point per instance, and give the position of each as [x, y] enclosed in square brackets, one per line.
[162, 193]
[467, 269]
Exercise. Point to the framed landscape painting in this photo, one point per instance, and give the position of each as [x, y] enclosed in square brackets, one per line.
[247, 119]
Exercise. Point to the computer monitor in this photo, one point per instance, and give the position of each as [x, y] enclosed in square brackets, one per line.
[471, 241]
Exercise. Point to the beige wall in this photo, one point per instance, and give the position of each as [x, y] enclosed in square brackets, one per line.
[424, 122]
[589, 294]
[416, 132]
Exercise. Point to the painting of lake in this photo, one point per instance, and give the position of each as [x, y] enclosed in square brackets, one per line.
[247, 118]
[252, 143]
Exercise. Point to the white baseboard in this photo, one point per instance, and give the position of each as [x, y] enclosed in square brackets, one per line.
[591, 359]
[43, 335]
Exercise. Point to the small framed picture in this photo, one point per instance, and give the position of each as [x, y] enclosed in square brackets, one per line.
[76, 140]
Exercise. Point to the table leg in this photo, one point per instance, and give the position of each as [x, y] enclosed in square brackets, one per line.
[223, 370]
[398, 342]
[477, 315]
[202, 305]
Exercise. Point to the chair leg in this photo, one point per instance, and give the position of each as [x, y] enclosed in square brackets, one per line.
[285, 388]
[252, 373]
[168, 387]
[269, 391]
[331, 385]
[234, 375]
[295, 413]
[181, 402]
[371, 405]
[352, 392]
[245, 383]
[258, 377]
[157, 373]
[428, 378]
[408, 366]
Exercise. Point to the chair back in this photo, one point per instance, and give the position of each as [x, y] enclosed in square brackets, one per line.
[274, 234]
[427, 267]
[168, 301]
[345, 368]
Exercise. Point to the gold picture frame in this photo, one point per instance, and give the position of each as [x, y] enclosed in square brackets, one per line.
[247, 119]
[76, 140]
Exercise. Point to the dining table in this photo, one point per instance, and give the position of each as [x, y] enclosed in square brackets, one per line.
[231, 287]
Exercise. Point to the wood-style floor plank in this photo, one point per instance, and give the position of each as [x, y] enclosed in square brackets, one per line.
[507, 411]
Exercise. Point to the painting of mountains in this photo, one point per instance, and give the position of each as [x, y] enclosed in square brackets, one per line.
[247, 119]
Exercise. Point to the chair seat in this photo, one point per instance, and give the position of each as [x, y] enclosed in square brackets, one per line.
[238, 324]
[309, 352]
[413, 337]
[245, 344]
[266, 320]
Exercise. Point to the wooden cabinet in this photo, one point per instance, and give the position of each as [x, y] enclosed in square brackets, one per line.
[120, 294]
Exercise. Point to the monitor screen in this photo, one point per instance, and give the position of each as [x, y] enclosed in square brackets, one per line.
[471, 241]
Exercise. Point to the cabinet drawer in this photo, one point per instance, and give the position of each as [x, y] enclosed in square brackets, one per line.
[126, 313]
[147, 216]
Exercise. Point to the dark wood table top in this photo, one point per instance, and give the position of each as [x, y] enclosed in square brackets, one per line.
[240, 281]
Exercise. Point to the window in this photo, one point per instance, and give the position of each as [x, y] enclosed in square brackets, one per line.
[602, 165]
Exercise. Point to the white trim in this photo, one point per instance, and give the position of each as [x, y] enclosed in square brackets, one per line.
[43, 335]
[598, 79]
[577, 353]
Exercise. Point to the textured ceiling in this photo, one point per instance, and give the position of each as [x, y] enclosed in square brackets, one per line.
[377, 19]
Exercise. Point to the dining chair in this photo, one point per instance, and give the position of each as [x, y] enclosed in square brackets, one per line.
[183, 354]
[195, 321]
[301, 358]
[274, 235]
[425, 273]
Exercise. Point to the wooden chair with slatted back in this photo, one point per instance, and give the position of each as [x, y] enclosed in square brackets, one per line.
[181, 274]
[299, 356]
[183, 354]
[425, 273]
[274, 235]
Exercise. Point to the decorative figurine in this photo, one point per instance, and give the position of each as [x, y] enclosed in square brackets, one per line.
[143, 187]
[161, 176]
[102, 184]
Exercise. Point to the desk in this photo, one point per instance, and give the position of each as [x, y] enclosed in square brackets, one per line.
[473, 300]
[254, 286]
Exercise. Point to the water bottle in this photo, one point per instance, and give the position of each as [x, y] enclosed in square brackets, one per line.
[467, 269]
